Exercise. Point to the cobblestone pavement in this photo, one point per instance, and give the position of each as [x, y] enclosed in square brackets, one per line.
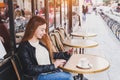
[109, 47]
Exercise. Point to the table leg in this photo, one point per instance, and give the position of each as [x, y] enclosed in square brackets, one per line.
[81, 50]
[81, 77]
[83, 37]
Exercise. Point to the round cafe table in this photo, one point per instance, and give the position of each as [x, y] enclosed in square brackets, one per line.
[20, 34]
[83, 34]
[80, 43]
[97, 64]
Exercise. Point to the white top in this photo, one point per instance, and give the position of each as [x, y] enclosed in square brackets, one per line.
[2, 50]
[42, 53]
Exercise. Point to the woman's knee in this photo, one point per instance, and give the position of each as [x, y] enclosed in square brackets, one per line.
[56, 76]
[66, 76]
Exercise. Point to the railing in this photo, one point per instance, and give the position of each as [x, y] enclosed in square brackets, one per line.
[113, 22]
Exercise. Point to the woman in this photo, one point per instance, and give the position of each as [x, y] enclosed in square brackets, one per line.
[35, 53]
[84, 11]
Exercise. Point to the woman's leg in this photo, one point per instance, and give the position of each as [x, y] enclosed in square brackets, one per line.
[56, 76]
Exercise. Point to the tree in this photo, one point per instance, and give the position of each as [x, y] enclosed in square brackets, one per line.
[107, 1]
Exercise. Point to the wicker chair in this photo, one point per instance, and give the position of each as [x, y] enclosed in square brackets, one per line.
[56, 42]
[18, 69]
[63, 33]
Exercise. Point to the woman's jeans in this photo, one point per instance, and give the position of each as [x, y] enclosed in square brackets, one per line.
[55, 76]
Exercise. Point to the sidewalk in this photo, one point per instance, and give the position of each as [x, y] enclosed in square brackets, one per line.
[109, 47]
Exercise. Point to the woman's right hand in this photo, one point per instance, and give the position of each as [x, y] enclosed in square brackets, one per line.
[59, 62]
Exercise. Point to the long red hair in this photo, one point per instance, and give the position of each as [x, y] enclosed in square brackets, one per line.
[31, 27]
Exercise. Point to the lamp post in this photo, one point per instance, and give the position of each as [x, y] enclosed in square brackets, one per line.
[11, 24]
[70, 15]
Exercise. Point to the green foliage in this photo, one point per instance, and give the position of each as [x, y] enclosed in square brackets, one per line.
[106, 1]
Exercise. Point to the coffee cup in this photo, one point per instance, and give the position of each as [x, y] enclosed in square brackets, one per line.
[84, 62]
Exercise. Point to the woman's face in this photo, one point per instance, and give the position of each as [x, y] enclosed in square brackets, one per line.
[40, 31]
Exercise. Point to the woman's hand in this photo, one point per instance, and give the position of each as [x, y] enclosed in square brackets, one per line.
[59, 62]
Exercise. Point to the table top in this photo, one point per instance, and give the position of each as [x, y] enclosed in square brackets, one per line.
[98, 64]
[20, 34]
[80, 43]
[82, 34]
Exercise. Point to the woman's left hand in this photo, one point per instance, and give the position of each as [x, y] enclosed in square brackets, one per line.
[59, 62]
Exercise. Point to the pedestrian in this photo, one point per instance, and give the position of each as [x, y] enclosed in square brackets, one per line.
[36, 56]
[84, 11]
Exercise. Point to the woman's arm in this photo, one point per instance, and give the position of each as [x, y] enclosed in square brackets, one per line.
[61, 55]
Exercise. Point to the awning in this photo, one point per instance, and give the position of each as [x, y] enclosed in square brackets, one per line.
[2, 4]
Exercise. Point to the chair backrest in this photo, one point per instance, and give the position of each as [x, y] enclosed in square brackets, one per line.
[63, 33]
[53, 42]
[7, 71]
[59, 35]
[56, 42]
[18, 69]
[16, 66]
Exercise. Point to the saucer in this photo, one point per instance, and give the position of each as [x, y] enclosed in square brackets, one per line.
[84, 67]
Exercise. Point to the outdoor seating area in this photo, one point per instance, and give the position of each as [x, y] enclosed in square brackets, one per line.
[59, 39]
